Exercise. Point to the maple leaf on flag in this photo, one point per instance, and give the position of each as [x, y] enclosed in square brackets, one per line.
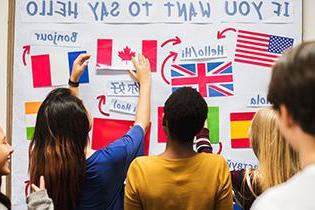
[126, 54]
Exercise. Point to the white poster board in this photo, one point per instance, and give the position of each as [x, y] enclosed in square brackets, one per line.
[223, 48]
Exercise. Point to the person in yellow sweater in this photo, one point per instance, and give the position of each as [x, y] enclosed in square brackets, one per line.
[180, 178]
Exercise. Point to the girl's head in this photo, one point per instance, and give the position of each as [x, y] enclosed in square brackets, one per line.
[5, 154]
[5, 157]
[277, 160]
[57, 150]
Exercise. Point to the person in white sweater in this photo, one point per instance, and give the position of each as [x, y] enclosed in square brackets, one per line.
[291, 92]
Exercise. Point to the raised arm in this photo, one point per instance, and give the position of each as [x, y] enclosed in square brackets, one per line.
[143, 76]
[78, 68]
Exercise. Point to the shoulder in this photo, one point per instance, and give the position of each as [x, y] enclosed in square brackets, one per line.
[213, 159]
[143, 161]
[268, 200]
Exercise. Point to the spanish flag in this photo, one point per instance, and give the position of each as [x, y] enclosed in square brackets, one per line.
[240, 124]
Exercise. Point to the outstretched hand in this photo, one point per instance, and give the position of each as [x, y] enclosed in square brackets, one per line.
[143, 69]
[78, 67]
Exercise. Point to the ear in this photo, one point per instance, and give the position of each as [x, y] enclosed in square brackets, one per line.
[285, 117]
[164, 121]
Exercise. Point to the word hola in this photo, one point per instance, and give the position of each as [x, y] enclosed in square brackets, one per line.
[259, 101]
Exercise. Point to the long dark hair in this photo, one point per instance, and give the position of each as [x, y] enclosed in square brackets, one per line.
[4, 199]
[57, 149]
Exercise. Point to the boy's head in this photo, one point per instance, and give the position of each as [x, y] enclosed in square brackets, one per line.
[185, 112]
[292, 91]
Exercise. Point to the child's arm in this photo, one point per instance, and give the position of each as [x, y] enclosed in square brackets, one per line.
[143, 76]
[39, 199]
[203, 141]
[78, 67]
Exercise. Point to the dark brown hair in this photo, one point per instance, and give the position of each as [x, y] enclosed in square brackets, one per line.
[293, 84]
[57, 149]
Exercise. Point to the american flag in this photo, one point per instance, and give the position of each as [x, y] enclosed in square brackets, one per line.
[210, 79]
[259, 48]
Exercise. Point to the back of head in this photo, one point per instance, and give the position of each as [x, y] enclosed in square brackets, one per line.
[277, 159]
[57, 149]
[293, 84]
[185, 112]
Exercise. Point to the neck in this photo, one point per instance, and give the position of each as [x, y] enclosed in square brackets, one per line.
[307, 151]
[176, 150]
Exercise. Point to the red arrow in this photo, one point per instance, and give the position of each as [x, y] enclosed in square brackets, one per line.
[27, 49]
[172, 54]
[220, 35]
[220, 148]
[102, 101]
[175, 41]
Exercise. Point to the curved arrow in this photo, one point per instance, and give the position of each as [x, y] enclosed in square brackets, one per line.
[220, 148]
[175, 41]
[220, 34]
[171, 54]
[27, 187]
[102, 101]
[27, 49]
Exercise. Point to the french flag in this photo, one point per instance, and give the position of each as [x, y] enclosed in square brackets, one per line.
[117, 55]
[54, 69]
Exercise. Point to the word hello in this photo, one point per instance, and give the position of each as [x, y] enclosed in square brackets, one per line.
[203, 52]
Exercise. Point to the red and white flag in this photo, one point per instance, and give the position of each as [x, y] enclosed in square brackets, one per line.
[117, 54]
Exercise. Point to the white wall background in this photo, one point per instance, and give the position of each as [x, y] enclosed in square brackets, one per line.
[308, 34]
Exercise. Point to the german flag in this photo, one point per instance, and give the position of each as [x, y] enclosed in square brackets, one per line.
[240, 124]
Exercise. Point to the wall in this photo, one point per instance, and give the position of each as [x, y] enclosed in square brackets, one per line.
[308, 34]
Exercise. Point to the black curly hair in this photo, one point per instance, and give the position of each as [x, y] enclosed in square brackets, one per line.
[185, 112]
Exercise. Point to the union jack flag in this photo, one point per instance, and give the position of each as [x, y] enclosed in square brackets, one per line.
[210, 79]
[260, 49]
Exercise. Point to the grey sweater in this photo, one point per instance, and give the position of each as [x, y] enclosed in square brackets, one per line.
[39, 201]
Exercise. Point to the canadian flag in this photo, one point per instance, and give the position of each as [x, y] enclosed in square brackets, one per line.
[117, 54]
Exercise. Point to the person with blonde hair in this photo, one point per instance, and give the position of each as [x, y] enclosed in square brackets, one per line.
[277, 160]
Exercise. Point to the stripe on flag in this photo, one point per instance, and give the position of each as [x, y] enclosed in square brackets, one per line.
[41, 70]
[240, 124]
[105, 131]
[71, 57]
[162, 137]
[149, 50]
[104, 52]
[31, 110]
[214, 124]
